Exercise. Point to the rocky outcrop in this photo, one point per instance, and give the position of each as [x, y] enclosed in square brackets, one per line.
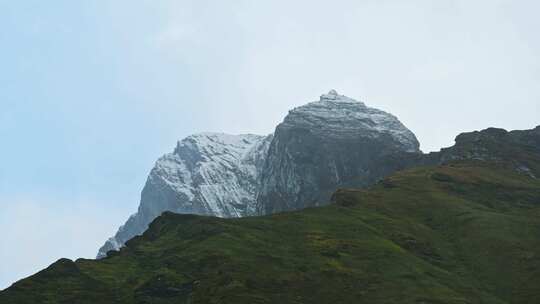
[326, 144]
[517, 149]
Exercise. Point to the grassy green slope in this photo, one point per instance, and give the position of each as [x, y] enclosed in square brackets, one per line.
[460, 233]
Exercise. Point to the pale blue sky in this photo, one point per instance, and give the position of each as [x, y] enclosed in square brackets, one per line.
[92, 92]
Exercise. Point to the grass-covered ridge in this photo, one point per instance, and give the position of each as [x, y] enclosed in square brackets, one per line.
[466, 232]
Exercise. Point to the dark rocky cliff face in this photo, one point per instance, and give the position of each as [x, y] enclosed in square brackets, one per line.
[326, 144]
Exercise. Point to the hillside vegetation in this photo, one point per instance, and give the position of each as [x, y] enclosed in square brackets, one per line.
[466, 231]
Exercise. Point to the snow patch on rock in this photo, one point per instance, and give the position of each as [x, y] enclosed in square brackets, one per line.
[341, 114]
[211, 174]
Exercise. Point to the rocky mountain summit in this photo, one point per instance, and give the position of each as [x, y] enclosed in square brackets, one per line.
[320, 146]
[324, 144]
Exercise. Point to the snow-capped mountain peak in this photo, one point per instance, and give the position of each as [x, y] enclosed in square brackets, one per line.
[317, 147]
